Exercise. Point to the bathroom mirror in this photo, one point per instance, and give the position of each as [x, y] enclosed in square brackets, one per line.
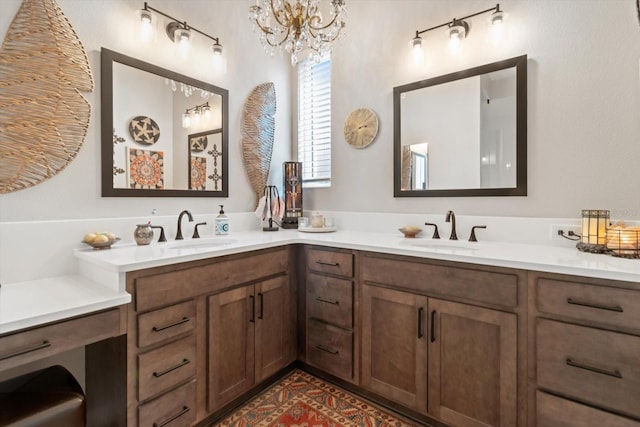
[463, 134]
[163, 134]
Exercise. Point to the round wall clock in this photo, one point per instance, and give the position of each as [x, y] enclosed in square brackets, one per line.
[144, 130]
[361, 127]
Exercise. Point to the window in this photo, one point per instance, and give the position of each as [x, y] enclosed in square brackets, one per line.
[314, 122]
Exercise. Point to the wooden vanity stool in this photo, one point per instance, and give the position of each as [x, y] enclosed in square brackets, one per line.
[50, 397]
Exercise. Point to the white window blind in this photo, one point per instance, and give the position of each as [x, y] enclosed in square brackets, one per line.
[314, 121]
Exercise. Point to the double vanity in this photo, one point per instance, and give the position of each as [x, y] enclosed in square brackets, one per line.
[465, 333]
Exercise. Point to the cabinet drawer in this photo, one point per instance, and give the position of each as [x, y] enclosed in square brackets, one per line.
[159, 290]
[330, 349]
[330, 299]
[553, 411]
[165, 367]
[470, 284]
[593, 365]
[166, 323]
[604, 305]
[176, 408]
[24, 347]
[325, 261]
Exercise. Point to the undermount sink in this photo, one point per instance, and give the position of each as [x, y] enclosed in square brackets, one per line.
[444, 246]
[205, 243]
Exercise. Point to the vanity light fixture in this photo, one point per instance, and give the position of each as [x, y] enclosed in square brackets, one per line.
[194, 114]
[458, 29]
[178, 31]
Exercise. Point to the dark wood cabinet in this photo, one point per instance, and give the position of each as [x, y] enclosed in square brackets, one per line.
[458, 360]
[249, 338]
[394, 345]
[472, 364]
[330, 328]
[202, 333]
[587, 341]
[231, 345]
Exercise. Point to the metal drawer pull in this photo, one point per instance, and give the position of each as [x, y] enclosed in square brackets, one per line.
[420, 334]
[615, 373]
[330, 264]
[327, 350]
[44, 344]
[595, 305]
[433, 326]
[179, 322]
[327, 301]
[166, 371]
[185, 409]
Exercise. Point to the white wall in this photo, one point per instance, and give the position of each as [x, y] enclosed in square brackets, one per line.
[584, 102]
[584, 105]
[75, 192]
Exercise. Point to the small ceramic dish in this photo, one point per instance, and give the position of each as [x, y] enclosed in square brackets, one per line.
[102, 245]
[410, 231]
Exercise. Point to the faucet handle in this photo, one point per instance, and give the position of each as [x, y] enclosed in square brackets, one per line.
[196, 235]
[162, 236]
[472, 238]
[435, 232]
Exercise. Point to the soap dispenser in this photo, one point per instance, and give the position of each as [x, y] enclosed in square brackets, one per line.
[222, 222]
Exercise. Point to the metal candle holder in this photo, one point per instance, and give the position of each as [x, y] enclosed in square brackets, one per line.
[594, 231]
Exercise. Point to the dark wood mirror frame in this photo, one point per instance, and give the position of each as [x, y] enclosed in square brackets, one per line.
[520, 64]
[108, 57]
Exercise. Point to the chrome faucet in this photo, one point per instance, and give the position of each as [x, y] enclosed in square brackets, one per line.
[451, 217]
[179, 233]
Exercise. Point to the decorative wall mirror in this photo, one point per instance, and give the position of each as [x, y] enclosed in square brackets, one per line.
[463, 134]
[163, 134]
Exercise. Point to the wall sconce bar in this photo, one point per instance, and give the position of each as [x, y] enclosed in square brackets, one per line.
[177, 25]
[194, 114]
[458, 27]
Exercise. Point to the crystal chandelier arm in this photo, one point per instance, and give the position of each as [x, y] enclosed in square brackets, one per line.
[287, 12]
[315, 18]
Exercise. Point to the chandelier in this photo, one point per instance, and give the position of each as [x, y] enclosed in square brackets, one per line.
[298, 27]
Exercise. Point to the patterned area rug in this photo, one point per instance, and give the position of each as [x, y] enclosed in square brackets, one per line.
[302, 400]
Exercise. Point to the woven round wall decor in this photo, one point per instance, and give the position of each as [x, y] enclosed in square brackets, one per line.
[144, 130]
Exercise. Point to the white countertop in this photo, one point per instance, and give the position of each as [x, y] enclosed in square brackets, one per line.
[101, 279]
[555, 259]
[27, 304]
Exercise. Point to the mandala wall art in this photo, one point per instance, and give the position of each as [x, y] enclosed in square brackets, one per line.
[144, 130]
[146, 169]
[198, 173]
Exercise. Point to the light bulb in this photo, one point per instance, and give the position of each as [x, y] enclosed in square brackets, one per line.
[416, 50]
[196, 117]
[207, 112]
[146, 25]
[182, 38]
[457, 32]
[186, 120]
[497, 26]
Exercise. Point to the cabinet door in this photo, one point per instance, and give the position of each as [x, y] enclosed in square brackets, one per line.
[231, 345]
[273, 341]
[472, 365]
[394, 345]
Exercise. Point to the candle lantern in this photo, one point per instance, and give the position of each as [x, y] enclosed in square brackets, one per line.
[594, 231]
[623, 241]
[292, 194]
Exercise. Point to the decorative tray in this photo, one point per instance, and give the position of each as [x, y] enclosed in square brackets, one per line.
[317, 229]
